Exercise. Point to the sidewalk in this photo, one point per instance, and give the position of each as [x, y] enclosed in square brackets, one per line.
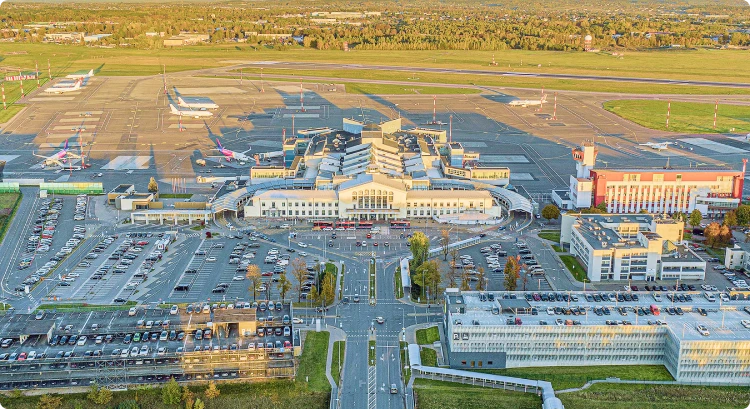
[336, 334]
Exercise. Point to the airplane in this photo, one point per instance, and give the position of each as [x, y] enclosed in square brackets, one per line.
[528, 102]
[229, 155]
[658, 146]
[189, 112]
[58, 158]
[61, 90]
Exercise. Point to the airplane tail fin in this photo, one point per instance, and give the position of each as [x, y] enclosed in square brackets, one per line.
[174, 110]
[66, 145]
[219, 145]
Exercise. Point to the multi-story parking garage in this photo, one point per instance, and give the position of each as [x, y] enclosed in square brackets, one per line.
[121, 348]
[697, 341]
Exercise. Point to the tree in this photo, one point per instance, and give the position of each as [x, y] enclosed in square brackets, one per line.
[602, 206]
[465, 286]
[153, 187]
[643, 211]
[716, 235]
[743, 215]
[445, 240]
[511, 274]
[170, 392]
[49, 402]
[730, 219]
[328, 292]
[99, 395]
[550, 212]
[211, 392]
[284, 286]
[420, 245]
[188, 397]
[480, 276]
[313, 295]
[695, 218]
[128, 404]
[427, 274]
[199, 404]
[253, 274]
[299, 269]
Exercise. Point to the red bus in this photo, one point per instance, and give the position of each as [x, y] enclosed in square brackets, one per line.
[321, 224]
[400, 224]
[346, 224]
[364, 224]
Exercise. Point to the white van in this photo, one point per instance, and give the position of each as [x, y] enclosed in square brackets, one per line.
[709, 296]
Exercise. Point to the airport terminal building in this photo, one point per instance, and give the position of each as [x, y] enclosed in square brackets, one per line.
[500, 332]
[376, 172]
[668, 190]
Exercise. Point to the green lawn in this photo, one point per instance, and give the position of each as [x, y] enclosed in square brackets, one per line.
[427, 336]
[273, 394]
[574, 267]
[405, 368]
[718, 253]
[339, 349]
[429, 357]
[175, 195]
[687, 117]
[399, 287]
[372, 280]
[565, 377]
[552, 235]
[557, 248]
[312, 363]
[8, 204]
[623, 396]
[7, 114]
[385, 89]
[372, 353]
[446, 395]
[85, 307]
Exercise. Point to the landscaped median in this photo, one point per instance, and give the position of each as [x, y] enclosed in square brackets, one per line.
[312, 363]
[372, 281]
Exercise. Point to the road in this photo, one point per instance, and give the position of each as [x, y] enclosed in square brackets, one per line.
[660, 81]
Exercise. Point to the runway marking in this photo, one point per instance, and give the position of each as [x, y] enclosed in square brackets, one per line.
[474, 144]
[210, 90]
[521, 176]
[187, 126]
[8, 158]
[504, 159]
[68, 128]
[79, 113]
[43, 99]
[78, 120]
[712, 145]
[128, 162]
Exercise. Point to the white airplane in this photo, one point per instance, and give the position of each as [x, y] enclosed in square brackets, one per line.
[657, 146]
[189, 112]
[229, 155]
[61, 90]
[59, 158]
[528, 102]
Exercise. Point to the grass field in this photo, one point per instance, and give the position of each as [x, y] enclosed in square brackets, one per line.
[312, 363]
[80, 307]
[621, 396]
[281, 394]
[565, 377]
[553, 235]
[687, 117]
[372, 280]
[7, 114]
[498, 81]
[8, 204]
[575, 268]
[428, 356]
[399, 287]
[445, 395]
[337, 358]
[405, 365]
[427, 336]
[727, 65]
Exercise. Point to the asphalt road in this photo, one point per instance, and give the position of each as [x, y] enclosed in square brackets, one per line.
[313, 66]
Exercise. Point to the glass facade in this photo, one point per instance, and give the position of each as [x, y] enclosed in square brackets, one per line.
[9, 187]
[72, 188]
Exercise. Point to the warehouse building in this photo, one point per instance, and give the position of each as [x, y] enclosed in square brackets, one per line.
[490, 330]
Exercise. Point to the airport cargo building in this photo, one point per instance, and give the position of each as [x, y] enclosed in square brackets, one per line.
[493, 330]
[668, 190]
[614, 247]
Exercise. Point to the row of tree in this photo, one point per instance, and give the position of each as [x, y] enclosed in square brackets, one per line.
[416, 25]
[323, 292]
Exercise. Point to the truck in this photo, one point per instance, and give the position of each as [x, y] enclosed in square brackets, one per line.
[201, 162]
